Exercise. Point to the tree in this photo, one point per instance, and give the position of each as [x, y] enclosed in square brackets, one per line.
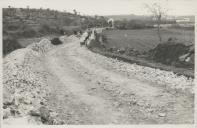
[158, 12]
[75, 11]
[96, 17]
[28, 12]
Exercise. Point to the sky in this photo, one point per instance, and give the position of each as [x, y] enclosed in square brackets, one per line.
[107, 7]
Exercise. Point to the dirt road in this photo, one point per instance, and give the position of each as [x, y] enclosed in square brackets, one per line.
[87, 88]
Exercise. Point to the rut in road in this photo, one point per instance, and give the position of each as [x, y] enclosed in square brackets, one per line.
[86, 89]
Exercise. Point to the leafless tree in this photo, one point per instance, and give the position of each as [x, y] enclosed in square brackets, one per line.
[158, 12]
[75, 11]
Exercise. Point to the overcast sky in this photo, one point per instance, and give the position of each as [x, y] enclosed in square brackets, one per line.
[106, 7]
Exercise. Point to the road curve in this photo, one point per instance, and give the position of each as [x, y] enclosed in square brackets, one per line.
[87, 88]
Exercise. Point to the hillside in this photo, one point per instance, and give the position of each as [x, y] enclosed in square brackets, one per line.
[19, 23]
[17, 19]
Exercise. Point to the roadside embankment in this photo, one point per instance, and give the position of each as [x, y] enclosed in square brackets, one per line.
[25, 88]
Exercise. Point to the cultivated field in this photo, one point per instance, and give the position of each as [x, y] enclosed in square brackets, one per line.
[145, 39]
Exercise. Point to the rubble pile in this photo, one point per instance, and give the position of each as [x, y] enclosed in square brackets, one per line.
[170, 80]
[25, 89]
[42, 47]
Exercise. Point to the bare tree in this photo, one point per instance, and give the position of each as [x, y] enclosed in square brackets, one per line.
[75, 11]
[158, 13]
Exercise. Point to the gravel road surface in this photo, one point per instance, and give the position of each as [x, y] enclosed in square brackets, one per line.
[87, 88]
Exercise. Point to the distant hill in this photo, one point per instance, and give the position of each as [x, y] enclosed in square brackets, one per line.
[142, 17]
[191, 17]
[129, 17]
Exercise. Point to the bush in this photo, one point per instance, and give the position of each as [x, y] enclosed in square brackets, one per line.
[168, 52]
[9, 45]
[56, 41]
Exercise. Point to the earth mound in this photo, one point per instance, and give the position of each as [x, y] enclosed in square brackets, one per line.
[174, 53]
[42, 47]
[25, 89]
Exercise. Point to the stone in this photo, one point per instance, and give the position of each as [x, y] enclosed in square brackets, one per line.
[34, 113]
[162, 114]
[53, 114]
[8, 98]
[6, 113]
[44, 114]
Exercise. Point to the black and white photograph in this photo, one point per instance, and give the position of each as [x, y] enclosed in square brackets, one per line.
[98, 62]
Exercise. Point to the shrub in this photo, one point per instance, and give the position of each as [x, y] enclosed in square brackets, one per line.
[56, 41]
[169, 52]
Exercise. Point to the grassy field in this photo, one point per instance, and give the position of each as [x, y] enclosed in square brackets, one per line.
[145, 39]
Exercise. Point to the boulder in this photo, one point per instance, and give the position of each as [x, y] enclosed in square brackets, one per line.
[162, 114]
